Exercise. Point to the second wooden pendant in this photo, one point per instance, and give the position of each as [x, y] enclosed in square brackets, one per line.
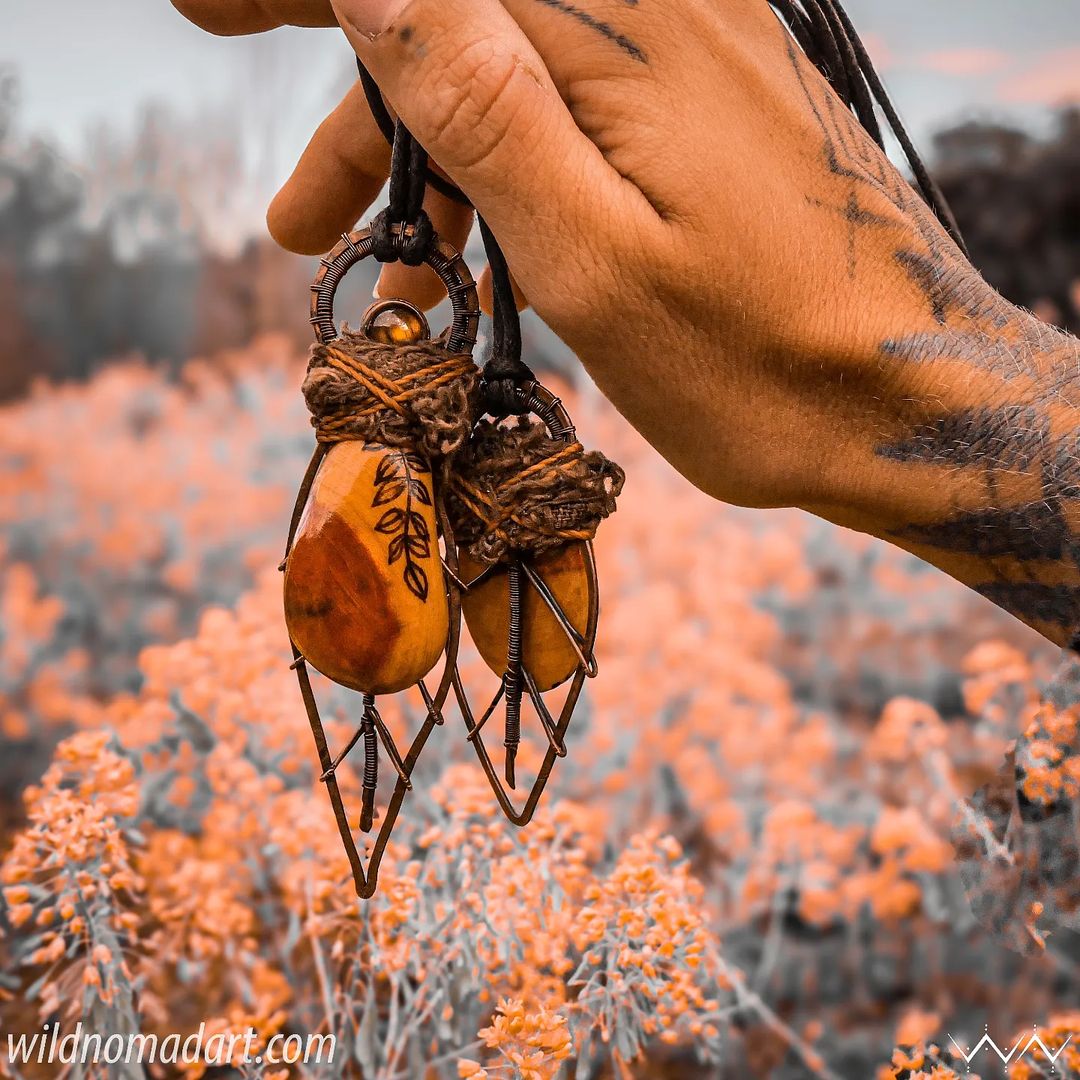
[547, 652]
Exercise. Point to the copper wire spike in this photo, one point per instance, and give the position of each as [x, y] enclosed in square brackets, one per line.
[327, 773]
[434, 714]
[371, 765]
[512, 676]
[542, 711]
[474, 729]
[454, 579]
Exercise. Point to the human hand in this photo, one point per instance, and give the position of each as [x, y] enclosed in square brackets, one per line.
[661, 222]
[685, 201]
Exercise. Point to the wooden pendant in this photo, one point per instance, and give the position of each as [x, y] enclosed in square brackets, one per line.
[547, 652]
[533, 621]
[365, 599]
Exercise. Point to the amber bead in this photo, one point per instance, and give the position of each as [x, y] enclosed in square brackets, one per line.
[395, 322]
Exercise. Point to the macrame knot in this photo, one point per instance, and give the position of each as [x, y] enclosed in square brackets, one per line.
[418, 396]
[409, 243]
[514, 489]
[504, 373]
[500, 396]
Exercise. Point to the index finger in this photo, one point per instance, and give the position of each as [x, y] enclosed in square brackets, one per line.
[233, 17]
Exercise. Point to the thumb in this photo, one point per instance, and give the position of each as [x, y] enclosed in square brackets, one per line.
[471, 88]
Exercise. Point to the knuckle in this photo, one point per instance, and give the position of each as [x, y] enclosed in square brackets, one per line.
[471, 100]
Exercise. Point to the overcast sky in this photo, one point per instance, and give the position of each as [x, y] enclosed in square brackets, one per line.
[86, 60]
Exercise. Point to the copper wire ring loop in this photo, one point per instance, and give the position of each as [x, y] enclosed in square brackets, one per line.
[542, 403]
[443, 259]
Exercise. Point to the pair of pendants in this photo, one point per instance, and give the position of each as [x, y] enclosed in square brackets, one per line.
[376, 589]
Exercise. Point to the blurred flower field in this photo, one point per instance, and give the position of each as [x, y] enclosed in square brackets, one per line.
[818, 815]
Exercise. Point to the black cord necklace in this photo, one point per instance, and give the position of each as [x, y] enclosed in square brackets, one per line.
[410, 175]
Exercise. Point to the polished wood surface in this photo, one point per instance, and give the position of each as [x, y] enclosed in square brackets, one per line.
[546, 652]
[365, 599]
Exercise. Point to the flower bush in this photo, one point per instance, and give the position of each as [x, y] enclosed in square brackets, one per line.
[818, 804]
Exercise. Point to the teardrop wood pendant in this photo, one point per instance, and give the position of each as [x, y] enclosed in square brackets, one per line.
[370, 561]
[555, 592]
[365, 601]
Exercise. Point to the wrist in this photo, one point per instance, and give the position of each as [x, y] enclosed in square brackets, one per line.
[930, 413]
[970, 461]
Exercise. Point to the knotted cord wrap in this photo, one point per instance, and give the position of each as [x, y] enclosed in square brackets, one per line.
[403, 231]
[392, 241]
[504, 370]
[417, 397]
[515, 490]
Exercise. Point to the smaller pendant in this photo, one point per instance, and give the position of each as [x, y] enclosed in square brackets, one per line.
[547, 651]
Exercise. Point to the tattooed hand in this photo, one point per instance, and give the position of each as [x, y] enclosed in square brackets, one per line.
[688, 205]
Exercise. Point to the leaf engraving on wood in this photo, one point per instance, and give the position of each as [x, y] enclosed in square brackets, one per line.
[410, 536]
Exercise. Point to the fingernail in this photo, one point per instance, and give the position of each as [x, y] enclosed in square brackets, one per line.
[369, 17]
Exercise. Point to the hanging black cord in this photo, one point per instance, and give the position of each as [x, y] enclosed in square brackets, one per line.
[403, 230]
[410, 174]
[927, 184]
[385, 123]
[798, 24]
[504, 370]
[829, 50]
[826, 34]
[862, 101]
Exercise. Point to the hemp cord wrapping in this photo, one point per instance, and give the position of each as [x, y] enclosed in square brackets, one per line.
[515, 489]
[415, 397]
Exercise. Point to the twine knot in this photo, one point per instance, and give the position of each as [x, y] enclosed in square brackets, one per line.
[409, 243]
[516, 489]
[418, 396]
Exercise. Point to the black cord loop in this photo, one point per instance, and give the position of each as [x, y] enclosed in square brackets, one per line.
[404, 231]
